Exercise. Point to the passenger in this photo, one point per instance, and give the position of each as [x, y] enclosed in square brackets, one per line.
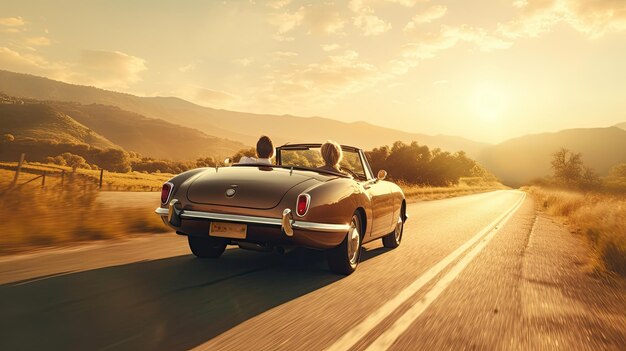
[332, 155]
[264, 152]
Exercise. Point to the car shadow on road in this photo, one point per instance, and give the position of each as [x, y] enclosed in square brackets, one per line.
[168, 304]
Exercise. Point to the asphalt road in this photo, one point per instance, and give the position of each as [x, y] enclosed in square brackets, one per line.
[484, 271]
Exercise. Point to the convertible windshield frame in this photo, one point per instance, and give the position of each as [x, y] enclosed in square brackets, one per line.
[367, 171]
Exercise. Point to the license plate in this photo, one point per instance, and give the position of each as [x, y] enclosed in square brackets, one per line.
[228, 230]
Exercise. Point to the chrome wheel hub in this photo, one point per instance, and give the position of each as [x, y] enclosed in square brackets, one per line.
[398, 231]
[354, 241]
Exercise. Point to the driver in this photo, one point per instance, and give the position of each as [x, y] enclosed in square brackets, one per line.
[264, 151]
[332, 155]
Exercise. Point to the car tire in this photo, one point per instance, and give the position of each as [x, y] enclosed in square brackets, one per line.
[393, 239]
[344, 258]
[206, 247]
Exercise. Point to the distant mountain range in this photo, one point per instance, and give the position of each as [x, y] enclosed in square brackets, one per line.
[107, 127]
[519, 160]
[237, 126]
[166, 127]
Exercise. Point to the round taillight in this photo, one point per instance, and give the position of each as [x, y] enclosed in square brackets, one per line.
[303, 204]
[165, 192]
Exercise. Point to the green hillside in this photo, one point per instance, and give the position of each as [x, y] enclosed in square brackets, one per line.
[34, 121]
[148, 136]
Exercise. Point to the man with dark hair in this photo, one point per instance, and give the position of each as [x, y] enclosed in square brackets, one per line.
[264, 152]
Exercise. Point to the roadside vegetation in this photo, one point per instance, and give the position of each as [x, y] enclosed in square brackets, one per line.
[589, 204]
[64, 208]
[33, 217]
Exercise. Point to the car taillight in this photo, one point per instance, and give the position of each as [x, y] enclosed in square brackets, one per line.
[303, 204]
[165, 192]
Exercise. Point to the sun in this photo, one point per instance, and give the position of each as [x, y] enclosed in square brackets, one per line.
[488, 104]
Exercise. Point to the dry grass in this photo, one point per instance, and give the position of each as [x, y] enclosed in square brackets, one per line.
[34, 217]
[131, 181]
[424, 193]
[600, 217]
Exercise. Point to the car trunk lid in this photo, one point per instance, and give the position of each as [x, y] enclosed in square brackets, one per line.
[244, 186]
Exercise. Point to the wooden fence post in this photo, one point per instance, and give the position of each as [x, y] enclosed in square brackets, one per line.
[43, 180]
[19, 168]
[62, 177]
[101, 174]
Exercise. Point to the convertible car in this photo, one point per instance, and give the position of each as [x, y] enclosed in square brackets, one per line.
[293, 203]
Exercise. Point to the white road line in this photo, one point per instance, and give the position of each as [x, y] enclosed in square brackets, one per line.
[385, 340]
[360, 330]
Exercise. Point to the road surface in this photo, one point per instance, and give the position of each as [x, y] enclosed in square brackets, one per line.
[484, 271]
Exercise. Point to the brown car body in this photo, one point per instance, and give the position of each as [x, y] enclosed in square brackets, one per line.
[264, 197]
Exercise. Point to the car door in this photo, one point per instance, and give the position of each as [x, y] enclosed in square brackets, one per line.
[382, 207]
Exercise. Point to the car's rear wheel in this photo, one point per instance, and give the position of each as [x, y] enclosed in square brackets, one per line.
[393, 239]
[206, 247]
[344, 258]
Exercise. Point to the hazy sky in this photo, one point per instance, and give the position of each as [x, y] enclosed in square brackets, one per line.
[486, 70]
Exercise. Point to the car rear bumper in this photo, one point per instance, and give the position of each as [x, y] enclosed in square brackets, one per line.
[278, 231]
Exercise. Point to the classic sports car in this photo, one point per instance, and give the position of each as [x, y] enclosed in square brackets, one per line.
[265, 207]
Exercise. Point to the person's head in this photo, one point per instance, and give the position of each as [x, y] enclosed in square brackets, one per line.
[331, 153]
[264, 147]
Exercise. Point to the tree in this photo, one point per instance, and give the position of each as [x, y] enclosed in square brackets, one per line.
[567, 167]
[244, 152]
[589, 178]
[378, 158]
[205, 162]
[408, 162]
[115, 160]
[618, 171]
[74, 161]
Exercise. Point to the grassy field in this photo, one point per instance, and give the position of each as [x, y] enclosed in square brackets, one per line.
[33, 217]
[600, 217]
[465, 187]
[131, 181]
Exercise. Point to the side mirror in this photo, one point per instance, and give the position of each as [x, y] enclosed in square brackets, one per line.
[227, 162]
[382, 174]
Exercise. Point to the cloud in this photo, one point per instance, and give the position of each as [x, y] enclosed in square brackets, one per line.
[285, 54]
[328, 79]
[213, 97]
[371, 25]
[594, 18]
[448, 36]
[12, 21]
[330, 47]
[366, 20]
[37, 41]
[108, 69]
[426, 16]
[406, 3]
[317, 18]
[29, 63]
[278, 4]
[187, 68]
[287, 21]
[246, 61]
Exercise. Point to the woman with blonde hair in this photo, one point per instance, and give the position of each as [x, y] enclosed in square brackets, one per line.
[332, 155]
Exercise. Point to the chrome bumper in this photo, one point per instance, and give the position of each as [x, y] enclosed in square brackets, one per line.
[286, 223]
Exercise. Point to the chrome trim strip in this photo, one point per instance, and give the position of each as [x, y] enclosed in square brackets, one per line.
[313, 226]
[231, 217]
[321, 227]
